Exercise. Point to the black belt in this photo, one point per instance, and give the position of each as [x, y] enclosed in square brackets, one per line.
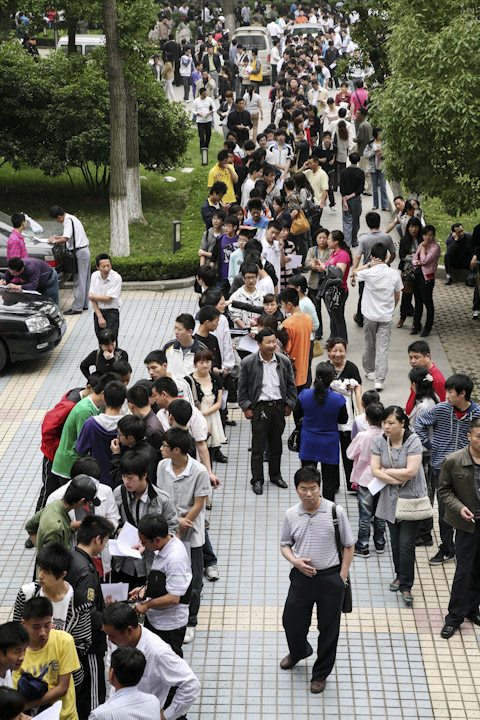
[326, 571]
[270, 403]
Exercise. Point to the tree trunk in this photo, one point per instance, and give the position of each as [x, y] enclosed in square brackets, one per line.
[119, 237]
[227, 7]
[134, 190]
[72, 30]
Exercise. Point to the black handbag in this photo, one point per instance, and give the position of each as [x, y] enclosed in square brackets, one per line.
[293, 441]
[471, 279]
[70, 264]
[32, 687]
[347, 599]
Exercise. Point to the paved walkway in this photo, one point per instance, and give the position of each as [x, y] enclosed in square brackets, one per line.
[391, 661]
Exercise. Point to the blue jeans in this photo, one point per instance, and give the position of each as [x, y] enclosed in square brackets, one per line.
[402, 538]
[378, 179]
[367, 504]
[51, 288]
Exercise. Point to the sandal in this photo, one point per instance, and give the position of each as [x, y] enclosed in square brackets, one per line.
[400, 323]
[395, 585]
[407, 597]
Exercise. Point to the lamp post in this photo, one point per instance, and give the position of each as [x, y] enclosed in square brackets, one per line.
[177, 235]
[204, 152]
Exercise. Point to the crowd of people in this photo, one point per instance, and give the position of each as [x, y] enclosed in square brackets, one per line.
[140, 459]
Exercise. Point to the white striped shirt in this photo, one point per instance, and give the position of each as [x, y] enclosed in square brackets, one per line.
[128, 703]
[378, 300]
[313, 536]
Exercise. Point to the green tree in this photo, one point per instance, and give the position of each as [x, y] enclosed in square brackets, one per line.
[370, 33]
[428, 104]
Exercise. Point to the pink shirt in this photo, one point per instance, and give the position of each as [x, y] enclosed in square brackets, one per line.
[358, 98]
[16, 246]
[429, 257]
[341, 256]
[359, 451]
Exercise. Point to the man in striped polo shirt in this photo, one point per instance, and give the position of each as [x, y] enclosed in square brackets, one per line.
[318, 575]
[381, 293]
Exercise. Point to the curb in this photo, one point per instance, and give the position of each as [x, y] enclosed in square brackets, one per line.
[155, 285]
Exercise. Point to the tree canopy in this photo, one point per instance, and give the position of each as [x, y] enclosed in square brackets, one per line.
[428, 104]
[54, 115]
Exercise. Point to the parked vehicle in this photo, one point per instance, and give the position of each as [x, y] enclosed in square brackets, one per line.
[307, 29]
[30, 325]
[52, 254]
[255, 36]
[84, 44]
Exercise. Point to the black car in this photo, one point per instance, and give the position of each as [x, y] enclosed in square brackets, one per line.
[30, 325]
[35, 245]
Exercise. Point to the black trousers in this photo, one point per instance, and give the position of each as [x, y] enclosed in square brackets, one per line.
[457, 256]
[312, 294]
[327, 592]
[133, 581]
[332, 186]
[359, 318]
[204, 133]
[423, 291]
[345, 440]
[426, 526]
[330, 478]
[112, 318]
[465, 595]
[42, 496]
[406, 305]
[91, 692]
[268, 423]
[174, 638]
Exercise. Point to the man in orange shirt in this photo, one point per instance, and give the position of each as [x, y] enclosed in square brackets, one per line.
[299, 327]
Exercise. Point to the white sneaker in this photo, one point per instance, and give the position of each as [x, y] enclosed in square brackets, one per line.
[475, 315]
[370, 375]
[212, 573]
[378, 385]
[189, 635]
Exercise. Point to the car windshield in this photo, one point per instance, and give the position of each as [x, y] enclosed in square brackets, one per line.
[252, 41]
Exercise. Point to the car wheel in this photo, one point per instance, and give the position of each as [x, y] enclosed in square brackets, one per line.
[3, 355]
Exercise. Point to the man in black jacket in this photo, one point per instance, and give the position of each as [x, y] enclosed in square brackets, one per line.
[212, 64]
[352, 183]
[240, 121]
[92, 536]
[175, 50]
[266, 394]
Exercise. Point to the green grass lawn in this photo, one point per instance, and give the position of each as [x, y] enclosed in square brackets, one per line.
[30, 191]
[436, 215]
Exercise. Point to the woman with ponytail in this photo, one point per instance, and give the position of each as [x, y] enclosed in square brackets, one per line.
[321, 410]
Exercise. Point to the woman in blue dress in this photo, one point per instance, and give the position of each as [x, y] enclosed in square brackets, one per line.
[322, 410]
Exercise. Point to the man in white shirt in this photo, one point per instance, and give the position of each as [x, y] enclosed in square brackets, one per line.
[181, 351]
[274, 29]
[270, 247]
[280, 155]
[126, 670]
[105, 289]
[203, 109]
[381, 294]
[76, 240]
[248, 293]
[164, 669]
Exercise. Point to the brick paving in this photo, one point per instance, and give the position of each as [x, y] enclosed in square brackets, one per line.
[391, 661]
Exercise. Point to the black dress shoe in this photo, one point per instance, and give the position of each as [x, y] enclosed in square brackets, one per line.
[28, 544]
[475, 619]
[448, 631]
[72, 312]
[279, 482]
[425, 333]
[220, 457]
[415, 330]
[231, 423]
[448, 280]
[257, 487]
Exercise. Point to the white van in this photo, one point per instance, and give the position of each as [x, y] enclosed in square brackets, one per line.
[255, 36]
[84, 44]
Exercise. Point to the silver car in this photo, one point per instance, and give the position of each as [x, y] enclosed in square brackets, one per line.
[51, 254]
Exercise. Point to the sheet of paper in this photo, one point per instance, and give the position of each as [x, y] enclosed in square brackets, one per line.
[376, 485]
[114, 549]
[127, 539]
[117, 591]
[295, 261]
[44, 240]
[51, 713]
[248, 344]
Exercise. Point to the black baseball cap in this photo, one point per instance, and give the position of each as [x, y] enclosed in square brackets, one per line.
[86, 487]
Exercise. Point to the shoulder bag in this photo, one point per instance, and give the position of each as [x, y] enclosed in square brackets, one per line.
[70, 264]
[347, 599]
[300, 224]
[410, 508]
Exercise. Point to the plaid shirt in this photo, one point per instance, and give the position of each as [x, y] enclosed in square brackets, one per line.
[16, 246]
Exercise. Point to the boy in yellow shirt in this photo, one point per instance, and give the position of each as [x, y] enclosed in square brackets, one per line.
[50, 650]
